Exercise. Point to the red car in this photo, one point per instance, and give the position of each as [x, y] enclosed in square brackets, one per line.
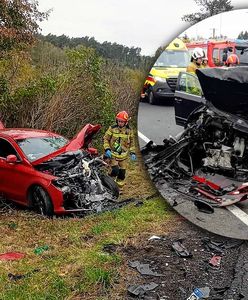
[49, 173]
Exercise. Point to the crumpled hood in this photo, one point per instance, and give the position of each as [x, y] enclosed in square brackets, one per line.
[81, 140]
[226, 88]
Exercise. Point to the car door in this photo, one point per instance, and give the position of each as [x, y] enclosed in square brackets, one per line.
[14, 177]
[188, 96]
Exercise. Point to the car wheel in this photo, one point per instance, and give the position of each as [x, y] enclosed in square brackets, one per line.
[41, 201]
[110, 184]
[152, 100]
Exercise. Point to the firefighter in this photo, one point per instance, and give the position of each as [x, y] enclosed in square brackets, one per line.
[118, 145]
[205, 61]
[232, 60]
[196, 60]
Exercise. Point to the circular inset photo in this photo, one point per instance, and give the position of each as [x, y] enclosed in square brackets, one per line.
[193, 124]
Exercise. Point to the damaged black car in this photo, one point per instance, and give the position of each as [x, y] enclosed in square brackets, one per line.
[208, 160]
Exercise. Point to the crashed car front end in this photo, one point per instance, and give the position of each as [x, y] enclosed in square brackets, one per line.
[209, 161]
[77, 179]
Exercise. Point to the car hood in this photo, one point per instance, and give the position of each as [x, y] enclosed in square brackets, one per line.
[81, 140]
[226, 88]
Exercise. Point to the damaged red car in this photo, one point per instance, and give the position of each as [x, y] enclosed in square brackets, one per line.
[208, 161]
[52, 175]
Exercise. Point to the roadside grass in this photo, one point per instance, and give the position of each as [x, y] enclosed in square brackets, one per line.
[75, 266]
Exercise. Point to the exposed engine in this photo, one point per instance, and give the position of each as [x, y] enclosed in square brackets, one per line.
[80, 179]
[218, 146]
[210, 143]
[210, 158]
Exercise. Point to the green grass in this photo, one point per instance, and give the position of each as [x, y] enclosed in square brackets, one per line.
[71, 265]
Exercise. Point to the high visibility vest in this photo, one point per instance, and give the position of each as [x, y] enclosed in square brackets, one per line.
[120, 141]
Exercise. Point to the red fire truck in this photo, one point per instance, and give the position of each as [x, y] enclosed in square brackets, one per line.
[216, 51]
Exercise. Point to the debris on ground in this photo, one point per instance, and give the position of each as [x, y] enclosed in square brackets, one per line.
[143, 269]
[140, 290]
[212, 246]
[180, 249]
[16, 277]
[155, 237]
[183, 275]
[12, 225]
[214, 262]
[110, 248]
[11, 256]
[41, 249]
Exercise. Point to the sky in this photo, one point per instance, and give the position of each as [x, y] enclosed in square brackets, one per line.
[135, 23]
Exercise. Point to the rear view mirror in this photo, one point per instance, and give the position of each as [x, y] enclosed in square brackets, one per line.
[11, 159]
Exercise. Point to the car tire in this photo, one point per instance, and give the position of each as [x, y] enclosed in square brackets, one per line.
[152, 100]
[41, 201]
[109, 183]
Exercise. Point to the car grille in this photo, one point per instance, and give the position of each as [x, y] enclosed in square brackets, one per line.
[172, 82]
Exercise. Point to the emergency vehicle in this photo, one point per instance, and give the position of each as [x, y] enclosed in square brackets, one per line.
[218, 51]
[162, 79]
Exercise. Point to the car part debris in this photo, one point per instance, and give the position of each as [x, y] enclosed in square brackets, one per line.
[203, 206]
[110, 248]
[214, 262]
[180, 249]
[21, 276]
[212, 246]
[200, 293]
[155, 237]
[197, 294]
[143, 269]
[140, 290]
[12, 225]
[11, 256]
[41, 249]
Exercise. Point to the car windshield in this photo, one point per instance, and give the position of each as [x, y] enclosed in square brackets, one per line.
[35, 148]
[173, 59]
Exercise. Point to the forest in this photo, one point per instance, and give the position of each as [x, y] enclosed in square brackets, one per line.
[60, 83]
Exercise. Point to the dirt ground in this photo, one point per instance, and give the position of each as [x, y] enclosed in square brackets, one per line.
[180, 276]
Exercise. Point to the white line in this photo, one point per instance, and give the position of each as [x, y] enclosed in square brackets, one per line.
[239, 213]
[143, 137]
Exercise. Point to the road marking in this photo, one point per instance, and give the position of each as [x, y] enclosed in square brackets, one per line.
[236, 211]
[143, 137]
[239, 213]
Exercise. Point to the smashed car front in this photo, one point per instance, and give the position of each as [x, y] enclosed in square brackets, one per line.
[214, 144]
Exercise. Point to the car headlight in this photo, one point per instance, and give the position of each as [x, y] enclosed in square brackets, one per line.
[161, 79]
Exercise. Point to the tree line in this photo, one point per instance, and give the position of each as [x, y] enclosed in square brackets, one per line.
[126, 56]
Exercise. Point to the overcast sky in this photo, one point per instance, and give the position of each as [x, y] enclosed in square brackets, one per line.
[138, 23]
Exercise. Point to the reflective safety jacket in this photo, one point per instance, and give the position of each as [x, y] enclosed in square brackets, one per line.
[193, 66]
[120, 141]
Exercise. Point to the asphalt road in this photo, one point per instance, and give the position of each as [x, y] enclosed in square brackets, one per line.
[156, 122]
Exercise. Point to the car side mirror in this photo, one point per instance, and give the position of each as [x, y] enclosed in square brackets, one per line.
[11, 159]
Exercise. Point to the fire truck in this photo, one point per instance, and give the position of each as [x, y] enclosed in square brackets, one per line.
[218, 51]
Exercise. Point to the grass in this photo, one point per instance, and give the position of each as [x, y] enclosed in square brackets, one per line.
[75, 265]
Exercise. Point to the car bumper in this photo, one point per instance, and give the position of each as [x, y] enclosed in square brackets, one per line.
[163, 90]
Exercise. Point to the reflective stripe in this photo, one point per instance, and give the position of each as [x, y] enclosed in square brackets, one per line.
[121, 156]
[109, 132]
[121, 135]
